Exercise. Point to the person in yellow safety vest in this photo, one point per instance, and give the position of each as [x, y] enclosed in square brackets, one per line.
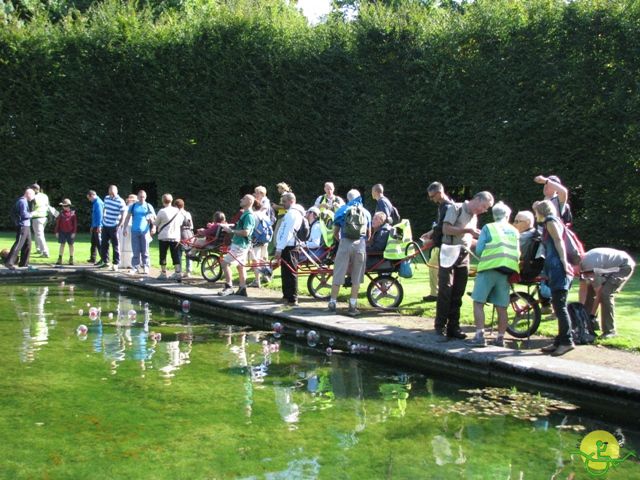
[329, 201]
[499, 251]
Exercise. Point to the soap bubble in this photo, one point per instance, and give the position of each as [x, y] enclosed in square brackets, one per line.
[88, 304]
[157, 336]
[82, 330]
[80, 312]
[93, 313]
[71, 288]
[132, 314]
[313, 338]
[110, 316]
[278, 328]
[300, 333]
[331, 341]
[186, 306]
[274, 347]
[62, 283]
[329, 351]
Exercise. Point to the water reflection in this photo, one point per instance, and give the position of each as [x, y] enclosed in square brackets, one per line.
[30, 308]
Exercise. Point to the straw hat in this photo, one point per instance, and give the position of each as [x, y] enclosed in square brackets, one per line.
[65, 203]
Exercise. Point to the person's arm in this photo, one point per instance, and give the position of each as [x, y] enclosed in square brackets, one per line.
[449, 229]
[315, 237]
[56, 227]
[74, 225]
[556, 236]
[483, 239]
[561, 190]
[125, 223]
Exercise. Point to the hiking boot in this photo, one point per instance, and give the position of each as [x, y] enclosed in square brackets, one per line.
[561, 350]
[100, 264]
[353, 311]
[242, 292]
[228, 290]
[162, 276]
[331, 306]
[59, 261]
[457, 334]
[549, 348]
[498, 342]
[71, 261]
[478, 341]
[430, 298]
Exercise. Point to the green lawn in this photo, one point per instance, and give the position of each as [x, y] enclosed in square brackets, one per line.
[627, 302]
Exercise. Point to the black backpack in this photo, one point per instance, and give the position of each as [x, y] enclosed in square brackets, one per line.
[582, 325]
[14, 214]
[530, 266]
[303, 233]
[436, 236]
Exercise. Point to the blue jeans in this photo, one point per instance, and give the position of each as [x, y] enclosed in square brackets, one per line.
[559, 302]
[140, 247]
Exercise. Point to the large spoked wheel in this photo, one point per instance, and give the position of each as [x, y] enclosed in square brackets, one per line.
[210, 268]
[385, 292]
[319, 285]
[524, 315]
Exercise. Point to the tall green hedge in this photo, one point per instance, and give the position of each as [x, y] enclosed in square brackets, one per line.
[214, 99]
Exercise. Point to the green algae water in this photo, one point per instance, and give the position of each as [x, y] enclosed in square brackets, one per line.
[147, 392]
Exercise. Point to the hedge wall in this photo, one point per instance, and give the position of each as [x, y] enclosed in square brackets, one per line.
[211, 100]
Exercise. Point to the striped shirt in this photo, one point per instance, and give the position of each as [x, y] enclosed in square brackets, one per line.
[114, 208]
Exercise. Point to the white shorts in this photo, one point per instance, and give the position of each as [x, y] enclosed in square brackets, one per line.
[236, 255]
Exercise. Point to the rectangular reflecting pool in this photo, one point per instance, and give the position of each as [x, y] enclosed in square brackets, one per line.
[98, 384]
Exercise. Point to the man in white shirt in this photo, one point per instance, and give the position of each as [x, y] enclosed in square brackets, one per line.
[287, 253]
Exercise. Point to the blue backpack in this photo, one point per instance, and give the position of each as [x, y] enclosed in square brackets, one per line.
[263, 232]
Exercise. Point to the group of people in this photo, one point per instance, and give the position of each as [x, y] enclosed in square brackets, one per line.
[128, 226]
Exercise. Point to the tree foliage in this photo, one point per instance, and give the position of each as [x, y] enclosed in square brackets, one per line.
[213, 98]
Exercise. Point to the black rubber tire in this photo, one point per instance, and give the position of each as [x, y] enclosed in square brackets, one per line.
[392, 296]
[319, 285]
[210, 268]
[524, 315]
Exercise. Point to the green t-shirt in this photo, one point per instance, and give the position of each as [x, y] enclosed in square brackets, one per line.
[247, 222]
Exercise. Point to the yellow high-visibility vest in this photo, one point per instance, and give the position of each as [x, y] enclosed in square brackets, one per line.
[503, 251]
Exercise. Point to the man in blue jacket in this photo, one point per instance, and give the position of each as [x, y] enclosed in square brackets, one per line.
[22, 219]
[97, 211]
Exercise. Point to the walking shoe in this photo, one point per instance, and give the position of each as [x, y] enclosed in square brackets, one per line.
[254, 284]
[45, 255]
[441, 337]
[242, 292]
[549, 348]
[59, 262]
[70, 260]
[266, 279]
[457, 334]
[607, 335]
[331, 306]
[546, 309]
[561, 350]
[353, 311]
[186, 274]
[145, 271]
[100, 264]
[10, 266]
[91, 260]
[292, 303]
[162, 276]
[105, 265]
[177, 276]
[478, 341]
[498, 342]
[430, 298]
[114, 268]
[226, 291]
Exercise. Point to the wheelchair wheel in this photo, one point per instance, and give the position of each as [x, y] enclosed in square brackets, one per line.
[385, 292]
[319, 285]
[210, 268]
[524, 315]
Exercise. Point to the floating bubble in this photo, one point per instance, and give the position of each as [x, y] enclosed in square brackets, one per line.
[80, 312]
[132, 314]
[331, 341]
[300, 333]
[372, 349]
[62, 283]
[122, 288]
[186, 306]
[110, 316]
[312, 338]
[72, 288]
[88, 305]
[278, 329]
[329, 351]
[157, 336]
[82, 330]
[274, 347]
[93, 313]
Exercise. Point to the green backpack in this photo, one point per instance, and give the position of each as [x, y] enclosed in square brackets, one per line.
[355, 222]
